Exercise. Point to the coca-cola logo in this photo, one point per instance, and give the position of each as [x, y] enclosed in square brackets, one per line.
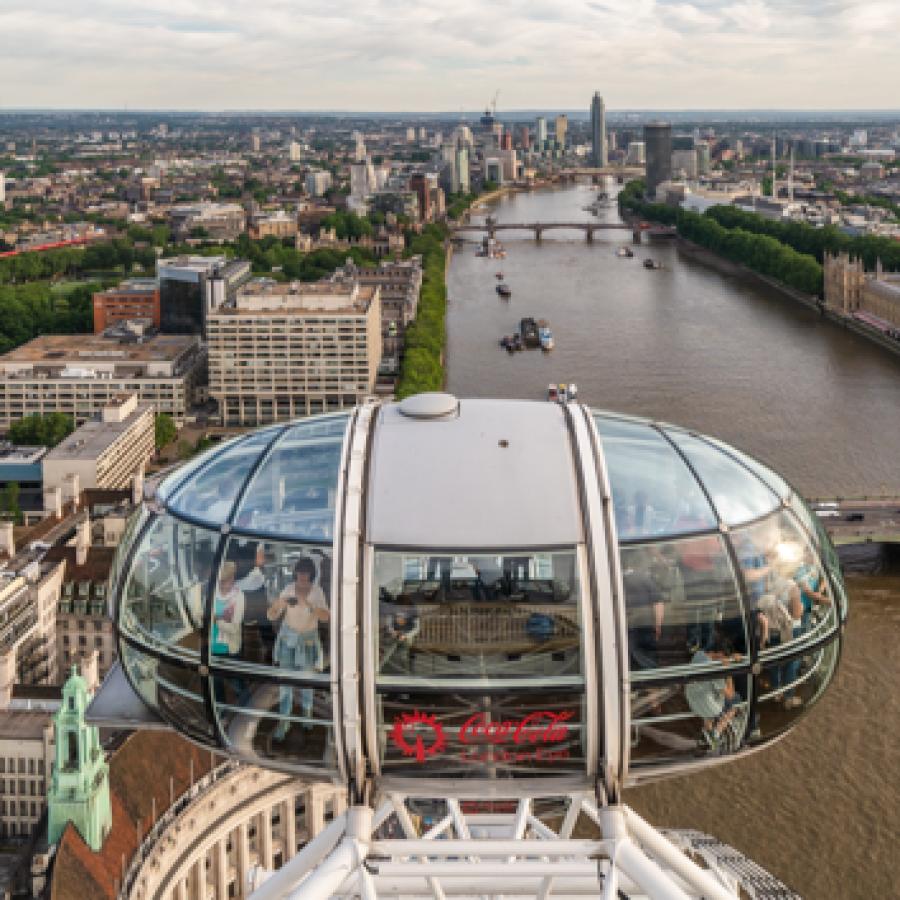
[420, 735]
[543, 727]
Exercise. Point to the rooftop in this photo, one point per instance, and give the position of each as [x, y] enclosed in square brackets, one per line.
[96, 436]
[23, 724]
[85, 349]
[263, 296]
[133, 286]
[10, 454]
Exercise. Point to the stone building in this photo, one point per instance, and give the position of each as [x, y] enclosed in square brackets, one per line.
[851, 290]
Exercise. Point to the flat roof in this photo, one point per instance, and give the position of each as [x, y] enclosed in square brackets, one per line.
[83, 349]
[297, 297]
[515, 487]
[23, 724]
[10, 454]
[94, 437]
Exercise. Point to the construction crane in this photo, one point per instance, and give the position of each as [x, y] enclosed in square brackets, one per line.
[494, 103]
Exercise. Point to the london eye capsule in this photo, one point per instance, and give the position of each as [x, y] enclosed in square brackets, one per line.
[476, 597]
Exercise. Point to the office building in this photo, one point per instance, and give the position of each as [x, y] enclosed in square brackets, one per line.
[84, 628]
[26, 760]
[295, 151]
[254, 143]
[562, 127]
[493, 170]
[108, 450]
[2, 188]
[22, 466]
[192, 286]
[136, 299]
[525, 137]
[506, 141]
[216, 221]
[279, 224]
[317, 183]
[461, 166]
[684, 164]
[77, 375]
[29, 593]
[658, 150]
[290, 349]
[541, 132]
[422, 184]
[598, 131]
[704, 159]
[635, 154]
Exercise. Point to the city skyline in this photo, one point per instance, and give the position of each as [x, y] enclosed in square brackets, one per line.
[756, 55]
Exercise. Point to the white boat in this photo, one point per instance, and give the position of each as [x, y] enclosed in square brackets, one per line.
[545, 336]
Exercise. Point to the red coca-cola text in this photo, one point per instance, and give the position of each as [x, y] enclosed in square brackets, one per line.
[544, 727]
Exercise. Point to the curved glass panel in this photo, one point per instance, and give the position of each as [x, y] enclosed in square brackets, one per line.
[272, 607]
[677, 722]
[790, 599]
[495, 736]
[654, 492]
[170, 484]
[173, 690]
[787, 688]
[167, 586]
[772, 479]
[266, 722]
[132, 529]
[680, 597]
[509, 615]
[210, 495]
[739, 496]
[293, 492]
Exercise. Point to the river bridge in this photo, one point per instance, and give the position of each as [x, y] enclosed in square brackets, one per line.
[491, 227]
[860, 520]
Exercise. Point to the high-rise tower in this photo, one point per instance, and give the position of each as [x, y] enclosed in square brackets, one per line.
[598, 130]
[658, 150]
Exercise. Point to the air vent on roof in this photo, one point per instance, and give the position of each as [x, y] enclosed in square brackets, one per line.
[430, 406]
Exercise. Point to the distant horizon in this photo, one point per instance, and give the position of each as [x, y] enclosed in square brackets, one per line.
[885, 112]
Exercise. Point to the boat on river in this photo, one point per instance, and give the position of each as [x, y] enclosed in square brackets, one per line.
[528, 328]
[625, 252]
[545, 335]
[652, 264]
[504, 291]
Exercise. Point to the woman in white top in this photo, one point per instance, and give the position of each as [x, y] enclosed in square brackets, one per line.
[228, 613]
[300, 607]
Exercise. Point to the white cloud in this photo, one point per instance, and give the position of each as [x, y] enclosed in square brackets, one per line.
[388, 54]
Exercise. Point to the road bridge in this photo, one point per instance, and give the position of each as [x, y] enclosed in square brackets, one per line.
[491, 227]
[860, 520]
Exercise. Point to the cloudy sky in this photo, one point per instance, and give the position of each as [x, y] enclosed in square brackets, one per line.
[449, 54]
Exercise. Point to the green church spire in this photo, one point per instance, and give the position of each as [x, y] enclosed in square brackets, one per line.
[79, 788]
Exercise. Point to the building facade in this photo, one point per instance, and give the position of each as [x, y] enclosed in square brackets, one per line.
[108, 450]
[851, 290]
[136, 298]
[291, 349]
[598, 131]
[78, 375]
[26, 760]
[658, 151]
[218, 221]
[190, 287]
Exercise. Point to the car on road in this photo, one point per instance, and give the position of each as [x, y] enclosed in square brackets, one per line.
[826, 513]
[855, 517]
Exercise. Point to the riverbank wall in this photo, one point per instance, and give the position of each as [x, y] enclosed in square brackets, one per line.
[727, 267]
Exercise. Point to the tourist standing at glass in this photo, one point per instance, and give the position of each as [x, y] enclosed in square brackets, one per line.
[228, 613]
[300, 607]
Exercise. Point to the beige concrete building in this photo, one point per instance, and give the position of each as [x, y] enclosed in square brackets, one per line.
[277, 224]
[79, 374]
[26, 756]
[29, 593]
[106, 451]
[851, 290]
[291, 349]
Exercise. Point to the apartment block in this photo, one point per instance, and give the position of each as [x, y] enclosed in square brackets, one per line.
[108, 450]
[291, 349]
[80, 374]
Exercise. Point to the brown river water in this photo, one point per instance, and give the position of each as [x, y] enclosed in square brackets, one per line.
[736, 359]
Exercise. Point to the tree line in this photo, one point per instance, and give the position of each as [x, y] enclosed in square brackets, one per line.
[742, 238]
[422, 368]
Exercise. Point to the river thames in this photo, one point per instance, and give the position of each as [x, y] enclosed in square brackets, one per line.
[716, 352]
